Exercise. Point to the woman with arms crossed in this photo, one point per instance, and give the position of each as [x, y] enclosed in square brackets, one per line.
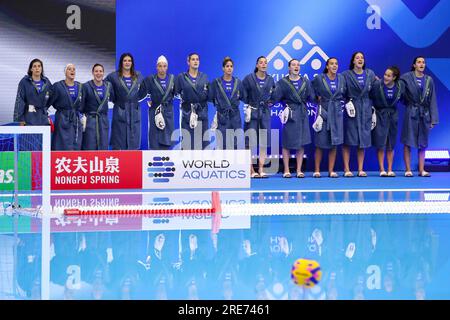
[385, 96]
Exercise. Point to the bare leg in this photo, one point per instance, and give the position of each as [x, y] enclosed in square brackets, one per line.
[299, 156]
[262, 159]
[360, 157]
[421, 160]
[252, 170]
[346, 157]
[390, 159]
[380, 155]
[331, 159]
[407, 157]
[286, 157]
[317, 159]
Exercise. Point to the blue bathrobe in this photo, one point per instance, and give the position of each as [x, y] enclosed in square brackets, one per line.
[261, 99]
[126, 119]
[228, 114]
[421, 111]
[28, 95]
[68, 132]
[384, 135]
[296, 132]
[96, 135]
[159, 139]
[332, 133]
[357, 130]
[193, 96]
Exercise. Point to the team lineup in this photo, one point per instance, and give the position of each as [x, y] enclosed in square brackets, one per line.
[355, 109]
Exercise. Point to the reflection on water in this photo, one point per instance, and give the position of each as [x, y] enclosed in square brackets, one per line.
[362, 256]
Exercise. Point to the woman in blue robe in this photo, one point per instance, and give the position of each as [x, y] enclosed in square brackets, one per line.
[258, 90]
[357, 129]
[386, 95]
[126, 118]
[226, 93]
[31, 104]
[193, 88]
[294, 92]
[421, 114]
[160, 88]
[65, 97]
[94, 106]
[32, 97]
[331, 90]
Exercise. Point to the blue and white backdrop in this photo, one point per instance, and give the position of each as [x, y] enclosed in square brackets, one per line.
[389, 32]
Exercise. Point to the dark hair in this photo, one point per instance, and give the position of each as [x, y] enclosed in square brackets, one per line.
[395, 72]
[352, 65]
[226, 60]
[193, 54]
[132, 71]
[31, 65]
[325, 70]
[257, 60]
[289, 63]
[415, 60]
[97, 65]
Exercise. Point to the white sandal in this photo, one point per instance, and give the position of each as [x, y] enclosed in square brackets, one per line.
[348, 174]
[333, 175]
[424, 174]
[362, 174]
[263, 175]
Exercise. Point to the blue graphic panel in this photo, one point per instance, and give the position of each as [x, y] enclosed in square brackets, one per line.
[389, 32]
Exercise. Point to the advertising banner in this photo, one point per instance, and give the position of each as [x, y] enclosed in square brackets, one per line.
[96, 170]
[7, 170]
[178, 169]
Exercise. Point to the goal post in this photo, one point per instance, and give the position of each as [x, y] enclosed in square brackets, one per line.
[25, 168]
[17, 143]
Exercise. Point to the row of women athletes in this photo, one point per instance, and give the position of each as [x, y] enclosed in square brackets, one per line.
[370, 116]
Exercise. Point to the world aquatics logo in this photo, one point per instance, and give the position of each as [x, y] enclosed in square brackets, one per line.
[161, 169]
